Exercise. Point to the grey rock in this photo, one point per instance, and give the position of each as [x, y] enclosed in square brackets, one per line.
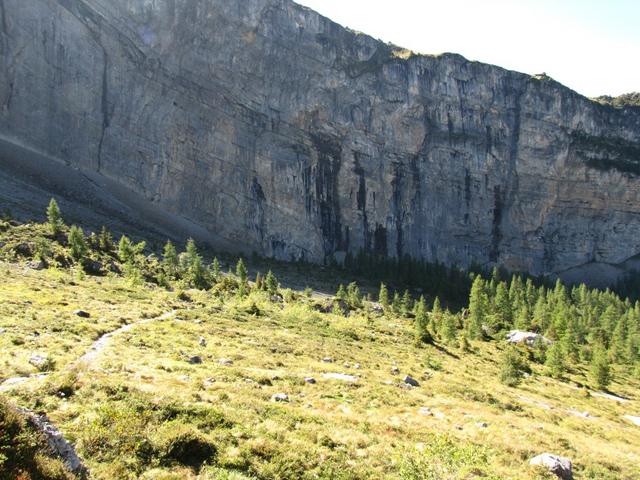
[559, 466]
[57, 443]
[411, 381]
[482, 424]
[357, 366]
[395, 370]
[202, 342]
[425, 411]
[280, 397]
[327, 360]
[82, 314]
[225, 361]
[195, 360]
[39, 360]
[36, 265]
[275, 130]
[310, 380]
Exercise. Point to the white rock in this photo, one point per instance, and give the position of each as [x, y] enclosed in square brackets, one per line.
[559, 466]
[225, 361]
[633, 419]
[529, 338]
[280, 397]
[340, 376]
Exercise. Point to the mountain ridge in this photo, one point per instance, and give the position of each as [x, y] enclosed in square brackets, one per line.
[288, 135]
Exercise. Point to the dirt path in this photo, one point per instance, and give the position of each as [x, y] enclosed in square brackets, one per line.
[89, 357]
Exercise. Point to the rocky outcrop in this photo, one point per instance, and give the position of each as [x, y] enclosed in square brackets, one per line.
[283, 133]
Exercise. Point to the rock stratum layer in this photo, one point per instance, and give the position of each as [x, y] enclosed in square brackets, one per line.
[281, 132]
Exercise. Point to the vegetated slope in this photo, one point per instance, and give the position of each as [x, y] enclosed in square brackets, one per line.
[284, 133]
[215, 382]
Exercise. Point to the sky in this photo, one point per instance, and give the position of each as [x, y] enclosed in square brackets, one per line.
[591, 46]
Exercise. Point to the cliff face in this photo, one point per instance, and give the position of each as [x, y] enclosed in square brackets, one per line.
[286, 134]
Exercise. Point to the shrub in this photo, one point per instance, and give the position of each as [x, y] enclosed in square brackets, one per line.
[513, 366]
[183, 444]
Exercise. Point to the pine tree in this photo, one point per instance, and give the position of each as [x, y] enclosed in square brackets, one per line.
[407, 303]
[342, 293]
[512, 367]
[354, 298]
[448, 329]
[77, 243]
[196, 274]
[396, 304]
[241, 272]
[600, 371]
[170, 259]
[105, 240]
[422, 321]
[54, 217]
[259, 282]
[383, 296]
[125, 249]
[215, 269]
[436, 315]
[555, 360]
[271, 283]
[502, 308]
[477, 309]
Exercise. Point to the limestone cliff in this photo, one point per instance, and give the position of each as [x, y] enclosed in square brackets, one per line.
[284, 133]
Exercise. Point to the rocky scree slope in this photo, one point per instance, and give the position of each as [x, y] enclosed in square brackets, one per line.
[283, 133]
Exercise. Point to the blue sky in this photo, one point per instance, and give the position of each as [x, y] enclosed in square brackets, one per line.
[592, 46]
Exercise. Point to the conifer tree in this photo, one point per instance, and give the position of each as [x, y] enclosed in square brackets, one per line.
[396, 304]
[125, 249]
[170, 259]
[215, 269]
[54, 217]
[354, 298]
[259, 281]
[407, 303]
[77, 243]
[241, 272]
[105, 240]
[195, 273]
[448, 330]
[342, 293]
[271, 283]
[600, 371]
[436, 315]
[502, 309]
[422, 321]
[383, 296]
[477, 309]
[555, 360]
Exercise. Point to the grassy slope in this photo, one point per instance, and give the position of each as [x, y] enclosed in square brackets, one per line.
[140, 396]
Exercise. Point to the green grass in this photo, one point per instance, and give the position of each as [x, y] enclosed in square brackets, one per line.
[140, 409]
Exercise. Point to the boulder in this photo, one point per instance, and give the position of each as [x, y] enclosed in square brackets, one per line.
[528, 338]
[327, 360]
[195, 360]
[202, 342]
[82, 314]
[408, 380]
[340, 376]
[310, 380]
[225, 361]
[280, 397]
[395, 370]
[39, 361]
[36, 265]
[633, 419]
[561, 467]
